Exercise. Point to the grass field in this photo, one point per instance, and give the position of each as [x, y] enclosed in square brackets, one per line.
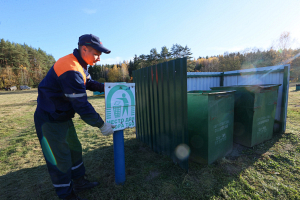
[268, 171]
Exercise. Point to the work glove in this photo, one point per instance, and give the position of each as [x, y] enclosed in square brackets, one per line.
[107, 129]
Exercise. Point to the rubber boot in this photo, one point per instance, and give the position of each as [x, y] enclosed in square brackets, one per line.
[83, 184]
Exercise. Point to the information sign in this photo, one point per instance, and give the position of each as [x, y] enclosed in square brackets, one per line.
[120, 105]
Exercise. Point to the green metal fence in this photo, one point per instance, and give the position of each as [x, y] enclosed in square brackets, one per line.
[161, 109]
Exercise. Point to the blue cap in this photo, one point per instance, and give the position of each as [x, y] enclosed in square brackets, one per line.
[93, 41]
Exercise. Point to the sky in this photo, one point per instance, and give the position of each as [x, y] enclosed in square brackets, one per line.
[129, 27]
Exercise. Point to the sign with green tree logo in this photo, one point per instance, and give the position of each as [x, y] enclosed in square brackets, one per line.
[120, 105]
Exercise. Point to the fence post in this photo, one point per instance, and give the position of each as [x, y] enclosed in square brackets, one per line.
[285, 93]
[222, 79]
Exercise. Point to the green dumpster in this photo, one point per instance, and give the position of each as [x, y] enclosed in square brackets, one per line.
[210, 124]
[254, 112]
[298, 87]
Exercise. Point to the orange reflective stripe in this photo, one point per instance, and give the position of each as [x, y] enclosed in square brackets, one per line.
[68, 63]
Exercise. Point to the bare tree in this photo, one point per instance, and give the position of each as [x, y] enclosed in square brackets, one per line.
[283, 46]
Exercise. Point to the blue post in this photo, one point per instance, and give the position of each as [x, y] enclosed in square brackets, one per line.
[119, 157]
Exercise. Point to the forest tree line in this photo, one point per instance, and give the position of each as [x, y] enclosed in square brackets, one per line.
[22, 64]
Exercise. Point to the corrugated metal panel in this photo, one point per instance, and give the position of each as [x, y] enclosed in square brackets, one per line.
[257, 69]
[161, 99]
[202, 80]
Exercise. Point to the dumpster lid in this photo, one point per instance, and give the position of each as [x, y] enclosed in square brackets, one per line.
[269, 85]
[210, 92]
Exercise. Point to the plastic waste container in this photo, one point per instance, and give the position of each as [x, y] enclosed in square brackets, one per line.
[298, 87]
[210, 124]
[254, 112]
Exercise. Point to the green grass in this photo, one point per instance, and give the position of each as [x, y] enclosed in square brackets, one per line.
[270, 170]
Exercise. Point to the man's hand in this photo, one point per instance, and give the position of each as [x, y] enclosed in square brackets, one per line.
[107, 129]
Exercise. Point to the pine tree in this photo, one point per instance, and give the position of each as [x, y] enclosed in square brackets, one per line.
[165, 54]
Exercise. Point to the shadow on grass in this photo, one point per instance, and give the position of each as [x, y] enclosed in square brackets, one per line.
[148, 175]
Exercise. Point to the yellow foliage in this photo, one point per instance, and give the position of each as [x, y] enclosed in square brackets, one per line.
[8, 77]
[120, 74]
[208, 65]
[113, 74]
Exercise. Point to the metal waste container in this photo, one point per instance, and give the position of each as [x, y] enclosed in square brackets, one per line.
[254, 112]
[210, 124]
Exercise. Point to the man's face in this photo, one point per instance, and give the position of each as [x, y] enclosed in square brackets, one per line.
[90, 55]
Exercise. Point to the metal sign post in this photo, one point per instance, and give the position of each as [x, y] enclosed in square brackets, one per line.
[119, 157]
[120, 111]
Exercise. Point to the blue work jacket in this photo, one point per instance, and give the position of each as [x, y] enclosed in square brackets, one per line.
[63, 91]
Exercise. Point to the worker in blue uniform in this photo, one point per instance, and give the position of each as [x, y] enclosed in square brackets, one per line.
[61, 94]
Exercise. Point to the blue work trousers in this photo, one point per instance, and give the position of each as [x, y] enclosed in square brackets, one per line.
[62, 150]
